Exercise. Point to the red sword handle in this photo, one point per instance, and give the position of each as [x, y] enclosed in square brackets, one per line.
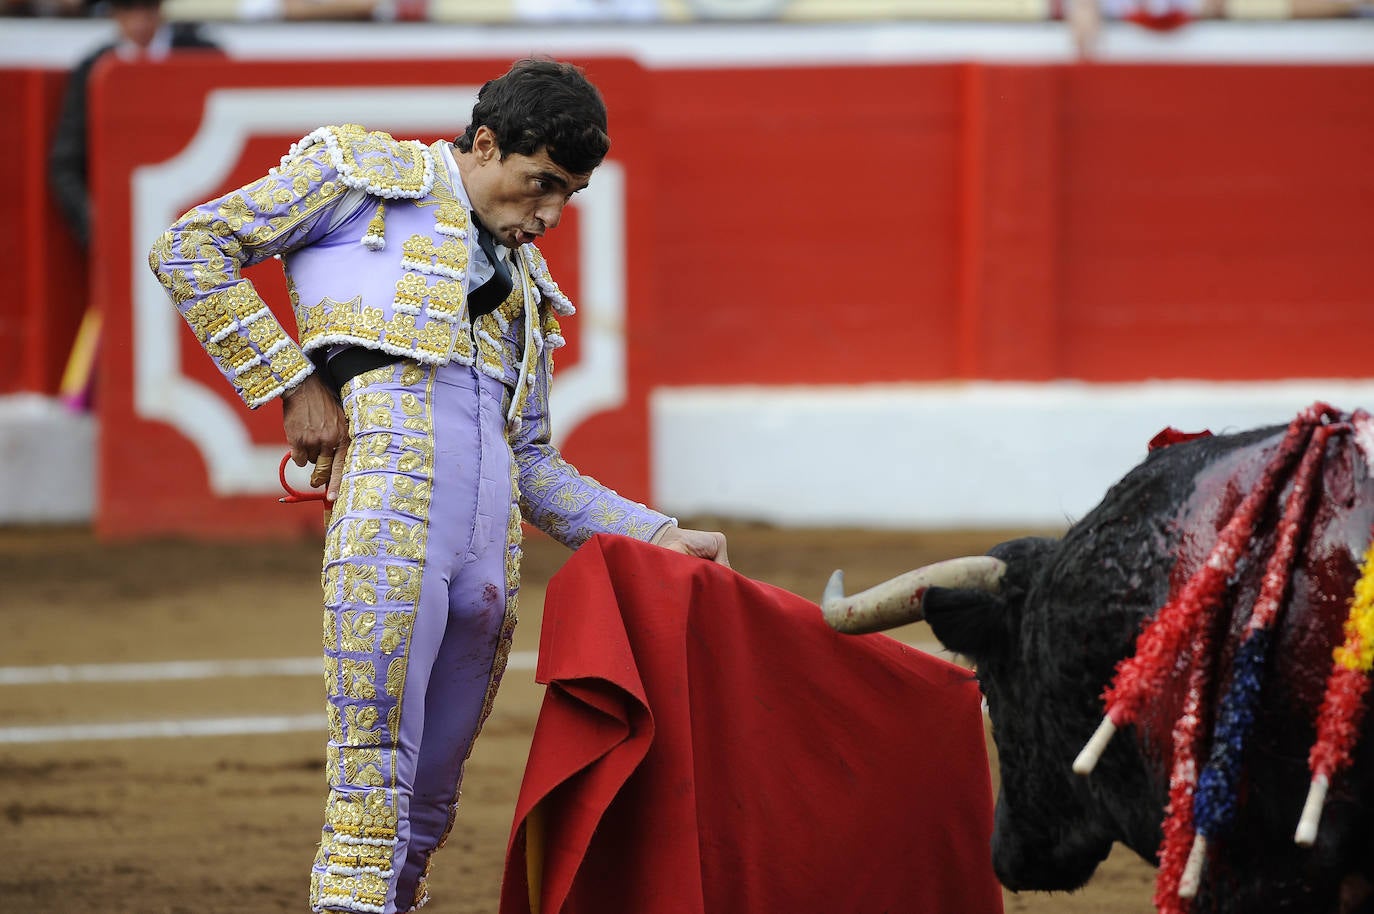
[295, 496]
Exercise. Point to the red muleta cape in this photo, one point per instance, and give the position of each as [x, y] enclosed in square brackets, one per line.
[707, 745]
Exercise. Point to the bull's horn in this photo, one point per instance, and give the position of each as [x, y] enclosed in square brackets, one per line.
[898, 601]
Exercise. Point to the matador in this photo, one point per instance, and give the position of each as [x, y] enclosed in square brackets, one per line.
[419, 388]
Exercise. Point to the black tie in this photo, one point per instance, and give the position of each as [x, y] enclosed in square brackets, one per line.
[489, 295]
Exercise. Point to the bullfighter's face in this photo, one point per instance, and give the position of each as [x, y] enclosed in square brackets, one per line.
[518, 197]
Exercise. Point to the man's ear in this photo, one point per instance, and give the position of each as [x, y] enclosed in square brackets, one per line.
[484, 145]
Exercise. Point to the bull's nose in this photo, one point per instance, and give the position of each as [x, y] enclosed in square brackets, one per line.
[1035, 860]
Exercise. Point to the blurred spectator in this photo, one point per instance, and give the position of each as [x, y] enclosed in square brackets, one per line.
[303, 10]
[588, 10]
[1085, 16]
[43, 8]
[1329, 9]
[739, 9]
[142, 35]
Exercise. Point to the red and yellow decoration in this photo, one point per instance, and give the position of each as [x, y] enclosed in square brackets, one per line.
[1343, 708]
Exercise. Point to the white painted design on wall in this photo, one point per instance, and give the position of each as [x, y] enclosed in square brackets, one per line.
[214, 422]
[598, 381]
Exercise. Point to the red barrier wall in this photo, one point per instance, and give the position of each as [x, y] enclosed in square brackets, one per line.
[1215, 223]
[934, 222]
[846, 225]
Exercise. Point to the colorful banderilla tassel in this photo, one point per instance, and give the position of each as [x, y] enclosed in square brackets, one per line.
[1178, 815]
[1175, 627]
[1215, 798]
[1343, 708]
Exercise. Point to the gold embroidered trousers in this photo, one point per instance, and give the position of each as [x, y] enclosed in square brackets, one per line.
[420, 582]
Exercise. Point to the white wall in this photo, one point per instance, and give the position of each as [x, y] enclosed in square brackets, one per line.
[938, 456]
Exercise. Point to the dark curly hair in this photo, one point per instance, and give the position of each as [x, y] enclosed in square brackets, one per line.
[543, 104]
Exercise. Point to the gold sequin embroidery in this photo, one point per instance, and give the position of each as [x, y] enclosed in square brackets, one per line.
[332, 766]
[331, 321]
[363, 815]
[378, 162]
[360, 888]
[362, 726]
[361, 766]
[374, 411]
[349, 856]
[396, 627]
[361, 538]
[407, 540]
[451, 218]
[367, 492]
[356, 632]
[370, 452]
[360, 584]
[403, 586]
[396, 676]
[358, 678]
[411, 290]
[417, 454]
[446, 300]
[410, 497]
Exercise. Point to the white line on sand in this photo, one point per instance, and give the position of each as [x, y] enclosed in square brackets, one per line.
[174, 670]
[188, 669]
[150, 729]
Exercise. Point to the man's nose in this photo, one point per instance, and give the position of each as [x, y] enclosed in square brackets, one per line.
[550, 213]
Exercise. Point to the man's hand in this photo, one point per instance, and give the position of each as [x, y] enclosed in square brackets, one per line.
[317, 431]
[703, 544]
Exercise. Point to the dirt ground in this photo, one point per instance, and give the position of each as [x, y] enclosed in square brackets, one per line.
[208, 824]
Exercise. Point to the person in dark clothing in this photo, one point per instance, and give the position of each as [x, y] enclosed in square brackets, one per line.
[143, 34]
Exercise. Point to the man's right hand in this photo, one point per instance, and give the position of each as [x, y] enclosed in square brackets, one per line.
[317, 431]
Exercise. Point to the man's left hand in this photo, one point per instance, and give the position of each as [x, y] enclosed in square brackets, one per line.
[703, 544]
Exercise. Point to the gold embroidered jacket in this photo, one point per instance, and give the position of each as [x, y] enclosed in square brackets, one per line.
[387, 271]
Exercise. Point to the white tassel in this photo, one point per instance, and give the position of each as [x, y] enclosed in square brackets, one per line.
[375, 238]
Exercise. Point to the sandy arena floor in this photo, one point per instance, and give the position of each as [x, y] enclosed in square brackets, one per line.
[209, 824]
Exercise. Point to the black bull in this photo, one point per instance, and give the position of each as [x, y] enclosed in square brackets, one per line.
[1046, 637]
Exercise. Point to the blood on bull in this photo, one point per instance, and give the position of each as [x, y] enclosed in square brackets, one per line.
[1218, 605]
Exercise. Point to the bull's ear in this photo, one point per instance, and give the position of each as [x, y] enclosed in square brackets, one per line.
[968, 622]
[979, 624]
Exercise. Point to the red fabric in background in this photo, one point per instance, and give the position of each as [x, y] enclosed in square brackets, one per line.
[708, 744]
